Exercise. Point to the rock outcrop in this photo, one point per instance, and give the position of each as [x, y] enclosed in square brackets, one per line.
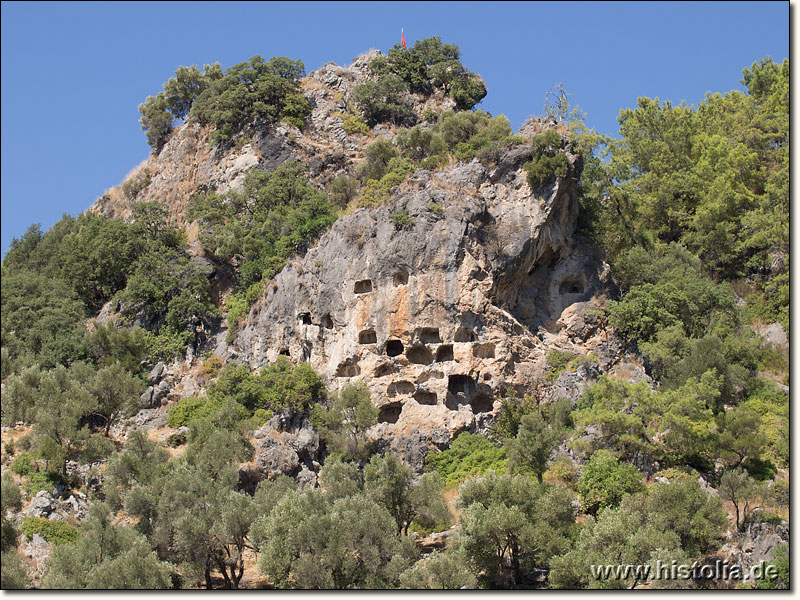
[441, 317]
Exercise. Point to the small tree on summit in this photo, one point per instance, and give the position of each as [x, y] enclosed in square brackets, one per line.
[156, 120]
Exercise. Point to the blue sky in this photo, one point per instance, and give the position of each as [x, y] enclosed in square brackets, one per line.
[73, 74]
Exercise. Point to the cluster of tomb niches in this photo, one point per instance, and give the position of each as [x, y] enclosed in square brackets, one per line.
[426, 346]
[462, 390]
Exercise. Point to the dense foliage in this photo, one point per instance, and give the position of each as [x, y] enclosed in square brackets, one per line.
[424, 68]
[272, 216]
[253, 91]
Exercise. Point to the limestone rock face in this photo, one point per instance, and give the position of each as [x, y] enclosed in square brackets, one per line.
[441, 317]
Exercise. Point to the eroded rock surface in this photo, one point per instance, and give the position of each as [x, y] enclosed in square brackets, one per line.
[441, 317]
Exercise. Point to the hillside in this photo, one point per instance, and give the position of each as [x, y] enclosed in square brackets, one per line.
[345, 330]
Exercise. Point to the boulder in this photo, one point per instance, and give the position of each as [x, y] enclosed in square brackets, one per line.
[156, 373]
[274, 458]
[42, 505]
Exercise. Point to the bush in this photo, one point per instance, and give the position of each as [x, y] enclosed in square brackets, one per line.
[256, 90]
[189, 409]
[605, 481]
[377, 192]
[132, 186]
[548, 160]
[435, 207]
[56, 532]
[41, 480]
[558, 362]
[23, 464]
[469, 454]
[280, 385]
[210, 366]
[176, 439]
[354, 124]
[402, 220]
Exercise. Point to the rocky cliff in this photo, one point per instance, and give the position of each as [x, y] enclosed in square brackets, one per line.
[439, 316]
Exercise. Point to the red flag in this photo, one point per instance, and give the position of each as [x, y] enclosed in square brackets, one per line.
[403, 40]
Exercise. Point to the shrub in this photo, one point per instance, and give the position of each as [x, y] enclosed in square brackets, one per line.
[41, 480]
[132, 186]
[564, 470]
[241, 141]
[402, 220]
[354, 124]
[605, 481]
[167, 344]
[23, 464]
[261, 417]
[558, 362]
[56, 532]
[469, 454]
[176, 439]
[211, 366]
[189, 409]
[548, 160]
[435, 207]
[377, 192]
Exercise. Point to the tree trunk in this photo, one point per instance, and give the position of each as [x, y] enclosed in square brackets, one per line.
[208, 577]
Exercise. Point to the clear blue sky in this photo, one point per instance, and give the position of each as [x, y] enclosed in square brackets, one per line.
[73, 74]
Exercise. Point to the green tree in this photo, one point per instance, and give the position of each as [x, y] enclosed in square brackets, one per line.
[135, 476]
[740, 438]
[61, 403]
[41, 319]
[156, 120]
[252, 91]
[531, 448]
[340, 479]
[389, 483]
[188, 83]
[441, 570]
[307, 541]
[11, 499]
[383, 101]
[116, 392]
[510, 523]
[619, 536]
[377, 157]
[738, 488]
[106, 557]
[344, 422]
[605, 481]
[343, 190]
[13, 573]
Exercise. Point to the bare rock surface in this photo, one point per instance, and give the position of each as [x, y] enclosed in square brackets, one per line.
[439, 318]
